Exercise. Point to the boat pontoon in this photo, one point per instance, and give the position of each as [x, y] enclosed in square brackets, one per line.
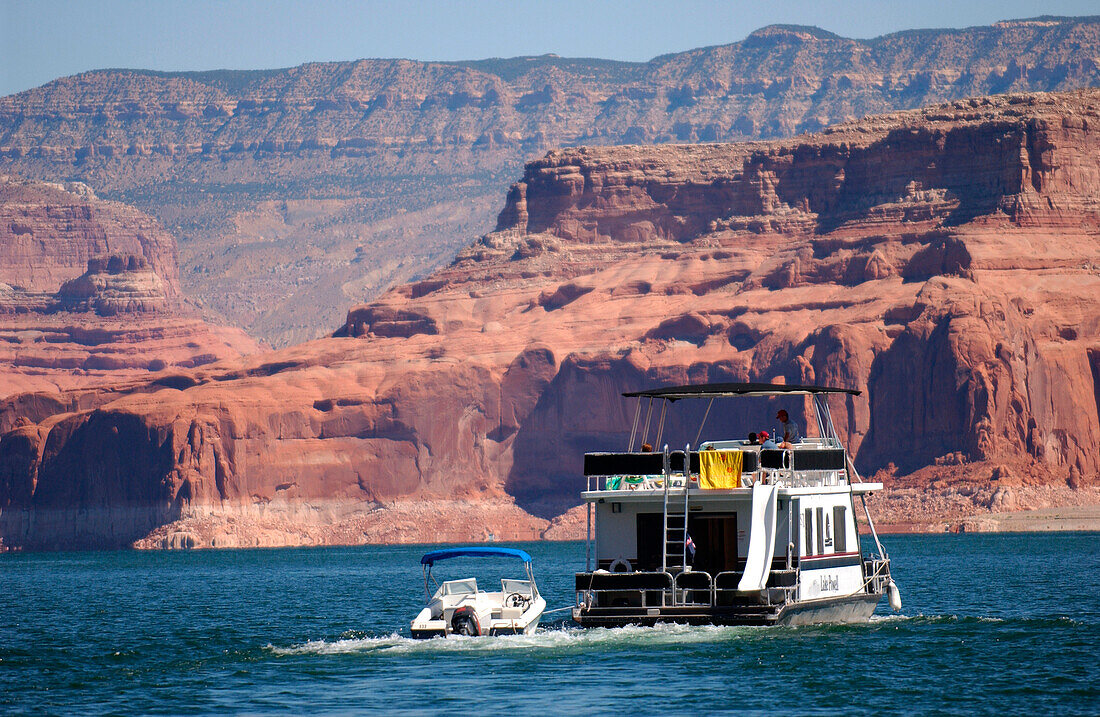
[458, 607]
[729, 532]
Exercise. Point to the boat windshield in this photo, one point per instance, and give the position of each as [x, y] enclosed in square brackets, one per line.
[459, 587]
[516, 586]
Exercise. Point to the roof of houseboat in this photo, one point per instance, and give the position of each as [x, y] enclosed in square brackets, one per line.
[704, 390]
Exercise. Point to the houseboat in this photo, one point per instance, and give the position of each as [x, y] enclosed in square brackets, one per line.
[733, 531]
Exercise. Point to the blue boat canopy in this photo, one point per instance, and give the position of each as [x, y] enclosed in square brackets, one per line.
[474, 552]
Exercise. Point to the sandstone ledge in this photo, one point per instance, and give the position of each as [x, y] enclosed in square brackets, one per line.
[347, 523]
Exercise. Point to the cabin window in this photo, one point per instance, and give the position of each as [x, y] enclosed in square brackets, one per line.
[809, 532]
[820, 531]
[840, 528]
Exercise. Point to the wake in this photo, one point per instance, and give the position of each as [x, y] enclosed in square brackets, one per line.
[554, 637]
[565, 636]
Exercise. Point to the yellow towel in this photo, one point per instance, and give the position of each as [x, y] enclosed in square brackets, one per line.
[719, 469]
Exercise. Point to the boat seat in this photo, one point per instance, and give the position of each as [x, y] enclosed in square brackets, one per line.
[511, 613]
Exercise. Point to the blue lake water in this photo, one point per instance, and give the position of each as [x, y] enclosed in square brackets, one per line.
[991, 624]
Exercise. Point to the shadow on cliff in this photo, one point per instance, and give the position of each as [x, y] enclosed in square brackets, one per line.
[103, 482]
[970, 173]
[917, 413]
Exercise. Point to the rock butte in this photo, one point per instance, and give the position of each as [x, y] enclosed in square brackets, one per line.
[300, 191]
[90, 305]
[945, 260]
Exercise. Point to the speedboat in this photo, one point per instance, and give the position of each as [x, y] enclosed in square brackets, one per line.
[458, 607]
[730, 532]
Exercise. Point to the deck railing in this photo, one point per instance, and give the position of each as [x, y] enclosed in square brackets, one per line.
[687, 588]
[877, 572]
[809, 465]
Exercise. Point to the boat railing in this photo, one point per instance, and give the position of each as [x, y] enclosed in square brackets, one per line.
[808, 465]
[649, 589]
[725, 585]
[780, 581]
[651, 470]
[646, 589]
[688, 585]
[877, 572]
[687, 588]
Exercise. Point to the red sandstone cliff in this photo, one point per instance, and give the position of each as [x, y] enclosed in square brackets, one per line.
[89, 297]
[49, 232]
[297, 192]
[946, 261]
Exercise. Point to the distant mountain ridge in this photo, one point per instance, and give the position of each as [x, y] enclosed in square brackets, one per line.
[297, 192]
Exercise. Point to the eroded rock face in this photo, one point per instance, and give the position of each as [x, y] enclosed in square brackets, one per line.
[296, 192]
[942, 261]
[90, 307]
[114, 285]
[52, 233]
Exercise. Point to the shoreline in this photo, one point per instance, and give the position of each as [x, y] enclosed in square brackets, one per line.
[1058, 519]
[502, 521]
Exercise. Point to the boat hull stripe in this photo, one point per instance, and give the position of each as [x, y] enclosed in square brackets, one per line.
[818, 562]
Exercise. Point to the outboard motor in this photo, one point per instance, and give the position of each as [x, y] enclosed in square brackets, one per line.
[464, 622]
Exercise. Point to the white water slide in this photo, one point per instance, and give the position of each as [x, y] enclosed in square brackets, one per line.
[761, 538]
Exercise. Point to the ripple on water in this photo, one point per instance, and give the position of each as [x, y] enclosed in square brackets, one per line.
[327, 630]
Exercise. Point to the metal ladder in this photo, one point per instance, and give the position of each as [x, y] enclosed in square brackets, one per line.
[674, 556]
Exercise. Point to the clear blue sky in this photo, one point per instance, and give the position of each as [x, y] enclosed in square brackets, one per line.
[44, 39]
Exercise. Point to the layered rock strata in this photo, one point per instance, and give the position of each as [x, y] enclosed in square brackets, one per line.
[945, 261]
[90, 298]
[51, 233]
[296, 192]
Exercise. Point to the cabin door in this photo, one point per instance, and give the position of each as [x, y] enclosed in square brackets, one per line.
[715, 538]
[650, 541]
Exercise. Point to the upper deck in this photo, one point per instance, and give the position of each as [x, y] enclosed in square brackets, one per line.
[724, 467]
[812, 465]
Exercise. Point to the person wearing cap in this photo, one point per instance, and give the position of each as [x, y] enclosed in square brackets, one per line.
[788, 429]
[766, 441]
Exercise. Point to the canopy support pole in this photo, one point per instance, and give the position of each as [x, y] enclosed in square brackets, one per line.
[661, 423]
[704, 422]
[634, 428]
[648, 415]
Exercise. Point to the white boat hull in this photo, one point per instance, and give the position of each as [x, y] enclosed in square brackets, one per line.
[836, 610]
[425, 626]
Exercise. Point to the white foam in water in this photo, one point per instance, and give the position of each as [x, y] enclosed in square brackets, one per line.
[565, 637]
[568, 636]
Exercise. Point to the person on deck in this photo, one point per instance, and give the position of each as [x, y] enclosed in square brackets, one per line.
[766, 441]
[788, 429]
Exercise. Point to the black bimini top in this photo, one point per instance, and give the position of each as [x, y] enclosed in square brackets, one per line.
[709, 390]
